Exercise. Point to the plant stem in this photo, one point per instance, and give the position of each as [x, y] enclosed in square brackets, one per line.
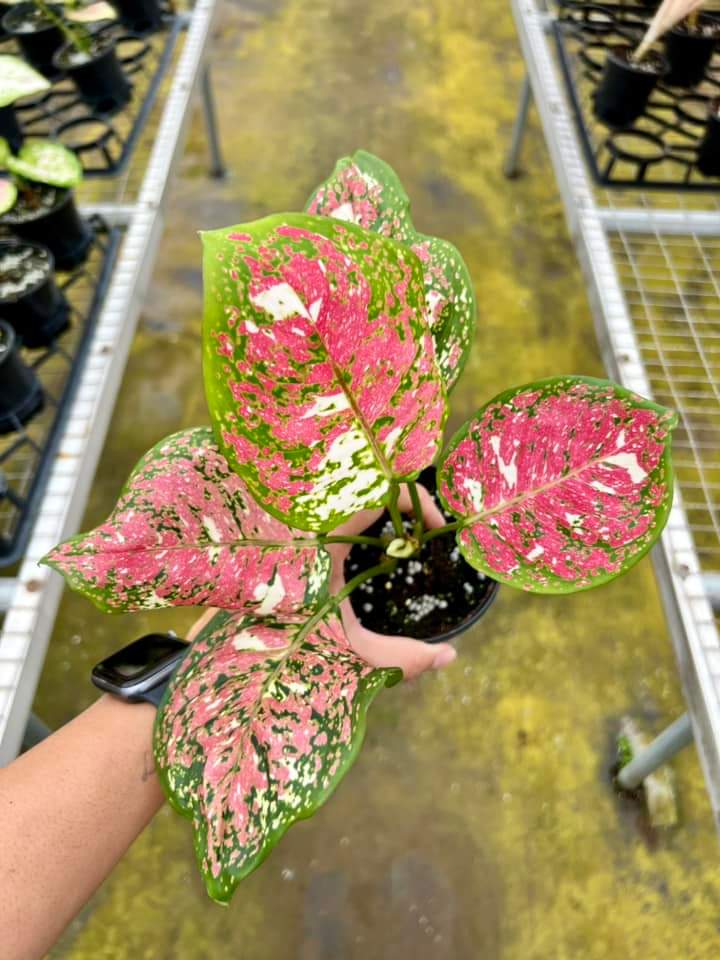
[370, 541]
[77, 37]
[440, 531]
[333, 602]
[394, 510]
[419, 527]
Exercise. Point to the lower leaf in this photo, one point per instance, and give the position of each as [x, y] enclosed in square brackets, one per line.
[259, 726]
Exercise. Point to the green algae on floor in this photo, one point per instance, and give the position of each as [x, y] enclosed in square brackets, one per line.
[479, 821]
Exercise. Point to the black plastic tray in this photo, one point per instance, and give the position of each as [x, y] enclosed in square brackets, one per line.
[26, 455]
[659, 151]
[104, 144]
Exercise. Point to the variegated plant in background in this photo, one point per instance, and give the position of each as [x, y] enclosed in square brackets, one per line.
[330, 343]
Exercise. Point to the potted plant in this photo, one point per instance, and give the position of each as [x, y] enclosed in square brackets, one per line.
[38, 34]
[321, 341]
[139, 16]
[17, 80]
[630, 75]
[29, 298]
[708, 159]
[689, 47]
[43, 209]
[21, 395]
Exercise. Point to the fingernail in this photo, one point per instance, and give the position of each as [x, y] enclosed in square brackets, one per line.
[444, 658]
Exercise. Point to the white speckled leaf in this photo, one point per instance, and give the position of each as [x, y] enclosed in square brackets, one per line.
[561, 485]
[365, 190]
[255, 732]
[18, 79]
[44, 161]
[186, 532]
[320, 371]
[8, 195]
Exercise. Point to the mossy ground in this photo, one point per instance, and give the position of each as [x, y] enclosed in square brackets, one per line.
[478, 821]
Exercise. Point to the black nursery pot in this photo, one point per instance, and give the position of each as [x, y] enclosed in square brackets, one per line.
[434, 596]
[98, 74]
[10, 128]
[29, 298]
[21, 395]
[139, 16]
[625, 86]
[51, 219]
[688, 51]
[708, 159]
[39, 39]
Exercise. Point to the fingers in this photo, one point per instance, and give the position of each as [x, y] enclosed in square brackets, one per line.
[201, 623]
[412, 656]
[432, 514]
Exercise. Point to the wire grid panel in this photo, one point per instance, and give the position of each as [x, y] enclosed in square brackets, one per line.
[672, 289]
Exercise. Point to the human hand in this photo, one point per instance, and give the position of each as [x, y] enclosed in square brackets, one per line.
[382, 650]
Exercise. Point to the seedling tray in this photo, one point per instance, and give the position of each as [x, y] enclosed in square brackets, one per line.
[26, 455]
[659, 151]
[104, 144]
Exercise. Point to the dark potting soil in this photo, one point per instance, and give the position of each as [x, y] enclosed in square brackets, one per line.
[22, 268]
[425, 595]
[33, 20]
[703, 28]
[98, 44]
[33, 201]
[652, 62]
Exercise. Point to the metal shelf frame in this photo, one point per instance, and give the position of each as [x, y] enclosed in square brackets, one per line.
[31, 598]
[639, 256]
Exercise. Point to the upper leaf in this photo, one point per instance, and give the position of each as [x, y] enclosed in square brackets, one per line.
[91, 13]
[365, 190]
[186, 531]
[45, 161]
[561, 484]
[19, 79]
[320, 371]
[8, 195]
[258, 727]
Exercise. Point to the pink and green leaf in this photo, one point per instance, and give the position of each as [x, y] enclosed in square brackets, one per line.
[187, 532]
[258, 727]
[365, 190]
[560, 485]
[320, 370]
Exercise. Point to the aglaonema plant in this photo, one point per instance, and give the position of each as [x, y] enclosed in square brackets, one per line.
[322, 338]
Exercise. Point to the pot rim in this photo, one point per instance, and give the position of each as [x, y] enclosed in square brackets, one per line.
[472, 618]
[11, 341]
[62, 199]
[630, 67]
[108, 48]
[14, 11]
[50, 267]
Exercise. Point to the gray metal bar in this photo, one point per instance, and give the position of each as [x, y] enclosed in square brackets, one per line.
[702, 223]
[217, 166]
[35, 731]
[512, 161]
[7, 589]
[671, 741]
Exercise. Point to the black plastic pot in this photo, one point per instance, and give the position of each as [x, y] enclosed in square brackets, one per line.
[688, 52]
[21, 395]
[10, 128]
[708, 159]
[100, 79]
[139, 16]
[39, 39]
[35, 308]
[625, 86]
[4, 8]
[58, 226]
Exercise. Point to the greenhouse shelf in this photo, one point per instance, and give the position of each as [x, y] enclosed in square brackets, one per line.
[652, 268]
[30, 598]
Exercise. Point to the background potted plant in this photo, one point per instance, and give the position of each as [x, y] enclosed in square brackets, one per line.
[321, 344]
[139, 16]
[708, 160]
[29, 298]
[17, 80]
[37, 29]
[43, 210]
[629, 76]
[21, 395]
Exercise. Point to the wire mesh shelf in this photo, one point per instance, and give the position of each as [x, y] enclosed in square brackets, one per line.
[26, 454]
[659, 151]
[104, 143]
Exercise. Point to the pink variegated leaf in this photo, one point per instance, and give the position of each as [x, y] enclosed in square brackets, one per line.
[560, 485]
[364, 190]
[186, 532]
[320, 370]
[258, 727]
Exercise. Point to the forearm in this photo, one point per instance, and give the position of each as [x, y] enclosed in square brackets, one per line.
[69, 809]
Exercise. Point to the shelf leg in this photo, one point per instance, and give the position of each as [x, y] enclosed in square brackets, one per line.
[217, 166]
[511, 167]
[35, 731]
[671, 741]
